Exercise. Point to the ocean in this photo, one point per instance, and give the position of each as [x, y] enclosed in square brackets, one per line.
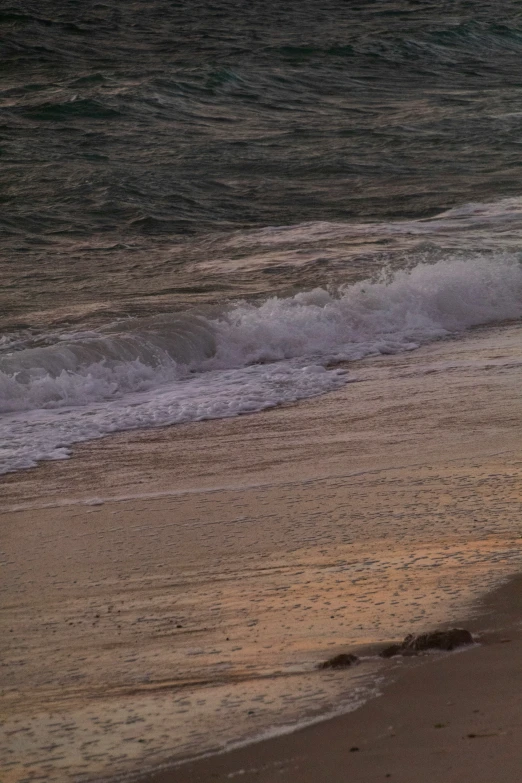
[206, 207]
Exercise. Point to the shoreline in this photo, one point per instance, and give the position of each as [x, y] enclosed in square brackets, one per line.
[360, 450]
[393, 731]
[172, 591]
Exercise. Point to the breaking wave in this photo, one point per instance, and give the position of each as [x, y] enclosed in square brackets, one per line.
[180, 368]
[397, 311]
[393, 313]
[85, 367]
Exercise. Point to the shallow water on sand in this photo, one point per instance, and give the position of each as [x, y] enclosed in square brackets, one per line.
[193, 616]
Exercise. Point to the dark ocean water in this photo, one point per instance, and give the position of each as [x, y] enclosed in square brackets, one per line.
[161, 161]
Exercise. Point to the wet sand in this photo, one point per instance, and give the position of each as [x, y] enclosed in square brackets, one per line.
[168, 593]
[445, 718]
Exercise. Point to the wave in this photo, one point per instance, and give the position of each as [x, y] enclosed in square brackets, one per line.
[129, 357]
[181, 368]
[417, 46]
[397, 311]
[394, 312]
[72, 108]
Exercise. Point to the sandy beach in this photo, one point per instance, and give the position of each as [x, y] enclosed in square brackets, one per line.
[169, 593]
[452, 718]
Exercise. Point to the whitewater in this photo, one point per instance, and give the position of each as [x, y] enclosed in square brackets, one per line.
[181, 367]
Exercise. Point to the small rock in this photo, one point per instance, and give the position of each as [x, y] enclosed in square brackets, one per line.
[341, 661]
[389, 652]
[354, 749]
[437, 640]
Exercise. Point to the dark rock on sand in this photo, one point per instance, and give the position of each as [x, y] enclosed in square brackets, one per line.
[340, 661]
[437, 640]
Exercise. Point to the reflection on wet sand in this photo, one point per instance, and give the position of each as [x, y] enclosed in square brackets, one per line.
[193, 614]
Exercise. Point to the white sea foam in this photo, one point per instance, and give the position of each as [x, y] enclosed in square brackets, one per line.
[34, 435]
[179, 369]
[395, 313]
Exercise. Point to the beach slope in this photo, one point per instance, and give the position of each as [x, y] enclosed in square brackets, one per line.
[170, 593]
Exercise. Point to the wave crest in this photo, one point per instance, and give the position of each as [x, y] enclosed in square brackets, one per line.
[395, 312]
[133, 356]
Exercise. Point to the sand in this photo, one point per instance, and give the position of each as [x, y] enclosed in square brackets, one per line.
[170, 593]
[444, 718]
